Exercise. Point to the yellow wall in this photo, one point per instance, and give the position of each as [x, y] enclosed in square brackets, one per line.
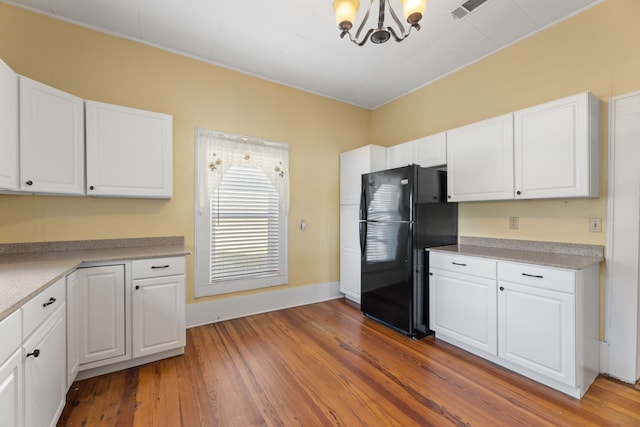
[110, 69]
[596, 50]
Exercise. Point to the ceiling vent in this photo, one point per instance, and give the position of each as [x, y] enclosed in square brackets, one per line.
[466, 8]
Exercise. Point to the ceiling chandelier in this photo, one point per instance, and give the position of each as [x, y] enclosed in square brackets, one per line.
[346, 10]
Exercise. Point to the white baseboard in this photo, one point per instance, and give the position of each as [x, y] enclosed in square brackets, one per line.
[262, 302]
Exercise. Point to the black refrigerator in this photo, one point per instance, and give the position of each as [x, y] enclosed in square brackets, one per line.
[402, 212]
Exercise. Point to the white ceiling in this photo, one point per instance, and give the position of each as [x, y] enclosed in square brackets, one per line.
[297, 43]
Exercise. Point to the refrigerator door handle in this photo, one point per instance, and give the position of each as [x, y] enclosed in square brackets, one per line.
[363, 205]
[363, 236]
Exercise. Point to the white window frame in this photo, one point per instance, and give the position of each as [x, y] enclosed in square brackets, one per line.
[202, 243]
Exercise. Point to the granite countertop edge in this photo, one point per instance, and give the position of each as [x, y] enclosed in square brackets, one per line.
[549, 259]
[28, 269]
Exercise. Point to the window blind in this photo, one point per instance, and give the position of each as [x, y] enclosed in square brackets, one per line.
[244, 226]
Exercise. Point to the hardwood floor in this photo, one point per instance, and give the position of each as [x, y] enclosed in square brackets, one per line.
[326, 365]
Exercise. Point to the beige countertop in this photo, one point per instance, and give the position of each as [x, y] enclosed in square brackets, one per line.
[550, 254]
[28, 269]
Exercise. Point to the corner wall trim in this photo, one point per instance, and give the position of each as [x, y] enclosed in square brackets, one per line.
[245, 305]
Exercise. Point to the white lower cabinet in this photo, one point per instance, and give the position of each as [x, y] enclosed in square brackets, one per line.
[463, 301]
[73, 327]
[11, 397]
[545, 320]
[125, 314]
[11, 376]
[158, 314]
[101, 301]
[536, 330]
[45, 379]
[350, 252]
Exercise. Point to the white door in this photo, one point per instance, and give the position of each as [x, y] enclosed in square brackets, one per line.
[536, 330]
[51, 139]
[11, 395]
[350, 252]
[554, 149]
[45, 379]
[464, 308]
[73, 327]
[480, 160]
[158, 314]
[102, 313]
[9, 140]
[129, 152]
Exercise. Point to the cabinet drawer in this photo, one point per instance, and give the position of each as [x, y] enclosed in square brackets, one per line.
[41, 306]
[10, 335]
[463, 264]
[541, 277]
[157, 267]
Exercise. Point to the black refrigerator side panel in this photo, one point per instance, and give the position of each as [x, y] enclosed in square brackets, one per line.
[436, 224]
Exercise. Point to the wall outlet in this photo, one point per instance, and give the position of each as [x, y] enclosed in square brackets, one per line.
[595, 225]
[514, 222]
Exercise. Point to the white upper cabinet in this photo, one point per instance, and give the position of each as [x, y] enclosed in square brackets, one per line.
[480, 160]
[353, 164]
[557, 150]
[9, 179]
[427, 152]
[129, 152]
[51, 140]
[399, 155]
[430, 150]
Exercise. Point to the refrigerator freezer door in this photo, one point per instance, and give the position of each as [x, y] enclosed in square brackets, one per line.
[387, 280]
[387, 195]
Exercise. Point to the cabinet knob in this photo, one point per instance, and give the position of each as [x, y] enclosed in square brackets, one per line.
[35, 353]
[137, 287]
[430, 274]
[448, 197]
[502, 288]
[518, 192]
[91, 187]
[29, 182]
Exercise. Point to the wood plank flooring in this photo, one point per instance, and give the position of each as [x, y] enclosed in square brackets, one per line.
[326, 365]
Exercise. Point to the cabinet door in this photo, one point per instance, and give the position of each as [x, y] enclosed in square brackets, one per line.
[73, 327]
[464, 308]
[350, 252]
[536, 330]
[399, 155]
[45, 379]
[480, 161]
[51, 140]
[353, 164]
[102, 313]
[557, 150]
[431, 150]
[8, 128]
[11, 395]
[129, 152]
[158, 314]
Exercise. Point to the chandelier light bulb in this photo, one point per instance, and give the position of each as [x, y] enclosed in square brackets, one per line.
[345, 11]
[413, 10]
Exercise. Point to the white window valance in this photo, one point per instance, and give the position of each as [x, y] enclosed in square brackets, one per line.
[223, 151]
